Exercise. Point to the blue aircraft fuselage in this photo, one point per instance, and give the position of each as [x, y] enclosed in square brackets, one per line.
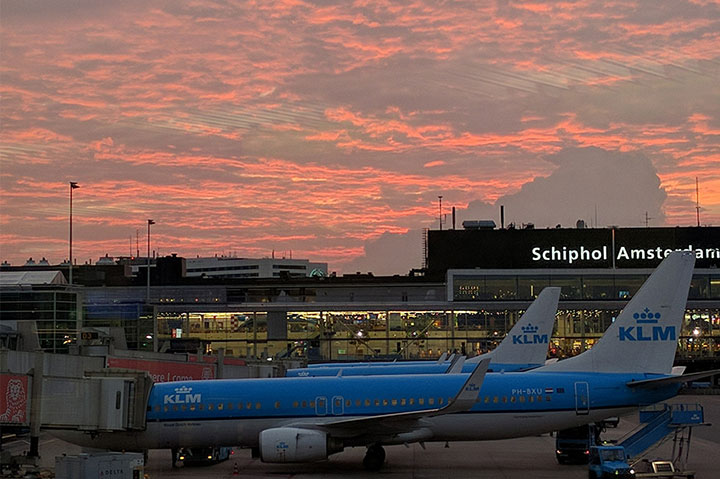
[234, 412]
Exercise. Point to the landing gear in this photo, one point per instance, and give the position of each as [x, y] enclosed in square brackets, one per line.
[374, 458]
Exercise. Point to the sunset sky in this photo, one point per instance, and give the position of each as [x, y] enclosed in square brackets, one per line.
[327, 130]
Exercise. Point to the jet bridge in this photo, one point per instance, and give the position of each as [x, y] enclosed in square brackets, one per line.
[107, 400]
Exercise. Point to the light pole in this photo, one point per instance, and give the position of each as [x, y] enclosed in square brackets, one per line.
[147, 297]
[73, 185]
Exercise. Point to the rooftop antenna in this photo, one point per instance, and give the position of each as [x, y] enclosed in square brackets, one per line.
[440, 211]
[596, 223]
[697, 200]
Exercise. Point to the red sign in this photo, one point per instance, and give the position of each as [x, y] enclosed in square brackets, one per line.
[165, 371]
[13, 399]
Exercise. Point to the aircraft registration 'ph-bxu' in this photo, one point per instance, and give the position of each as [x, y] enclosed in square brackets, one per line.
[307, 419]
[525, 347]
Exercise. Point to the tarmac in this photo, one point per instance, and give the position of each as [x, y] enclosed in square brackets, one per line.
[522, 458]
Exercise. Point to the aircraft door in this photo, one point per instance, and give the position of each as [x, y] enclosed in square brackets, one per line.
[582, 398]
[321, 408]
[338, 406]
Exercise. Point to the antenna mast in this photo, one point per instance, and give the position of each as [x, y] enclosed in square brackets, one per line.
[697, 200]
[440, 209]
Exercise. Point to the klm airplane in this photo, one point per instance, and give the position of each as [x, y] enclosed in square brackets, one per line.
[525, 347]
[307, 419]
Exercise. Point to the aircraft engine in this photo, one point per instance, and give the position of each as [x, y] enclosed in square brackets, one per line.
[292, 444]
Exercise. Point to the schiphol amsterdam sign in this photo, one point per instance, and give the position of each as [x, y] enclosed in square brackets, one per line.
[575, 254]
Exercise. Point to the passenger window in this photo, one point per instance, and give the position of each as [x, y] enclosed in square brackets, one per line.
[522, 398]
[531, 398]
[312, 404]
[367, 403]
[441, 401]
[487, 399]
[277, 404]
[403, 402]
[539, 398]
[257, 405]
[495, 399]
[240, 405]
[358, 403]
[385, 402]
[183, 407]
[393, 402]
[210, 407]
[431, 401]
[348, 403]
[421, 401]
[220, 406]
[165, 408]
[157, 408]
[304, 404]
[295, 404]
[248, 405]
[412, 401]
[504, 399]
[512, 399]
[548, 398]
[175, 408]
[377, 402]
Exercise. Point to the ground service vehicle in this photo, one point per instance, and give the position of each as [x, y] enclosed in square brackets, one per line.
[609, 461]
[200, 456]
[572, 446]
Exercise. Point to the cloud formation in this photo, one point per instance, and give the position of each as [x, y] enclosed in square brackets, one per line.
[329, 129]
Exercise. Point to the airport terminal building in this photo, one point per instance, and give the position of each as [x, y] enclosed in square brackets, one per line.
[476, 284]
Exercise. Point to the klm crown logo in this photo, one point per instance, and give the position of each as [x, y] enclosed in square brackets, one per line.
[529, 329]
[651, 333]
[647, 317]
[529, 336]
[183, 390]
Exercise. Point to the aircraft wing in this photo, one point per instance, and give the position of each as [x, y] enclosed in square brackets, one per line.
[408, 423]
[657, 382]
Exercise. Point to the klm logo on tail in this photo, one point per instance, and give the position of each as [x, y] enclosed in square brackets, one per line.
[644, 331]
[529, 336]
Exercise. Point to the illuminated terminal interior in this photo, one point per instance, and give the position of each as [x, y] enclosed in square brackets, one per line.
[322, 323]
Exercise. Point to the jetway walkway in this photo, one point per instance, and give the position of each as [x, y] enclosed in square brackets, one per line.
[105, 400]
[660, 423]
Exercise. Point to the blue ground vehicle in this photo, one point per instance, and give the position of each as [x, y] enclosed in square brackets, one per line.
[609, 462]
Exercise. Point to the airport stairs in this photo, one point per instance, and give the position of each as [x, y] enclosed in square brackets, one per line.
[658, 423]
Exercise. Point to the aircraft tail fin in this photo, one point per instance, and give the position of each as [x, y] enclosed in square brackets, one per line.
[644, 336]
[456, 367]
[528, 341]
